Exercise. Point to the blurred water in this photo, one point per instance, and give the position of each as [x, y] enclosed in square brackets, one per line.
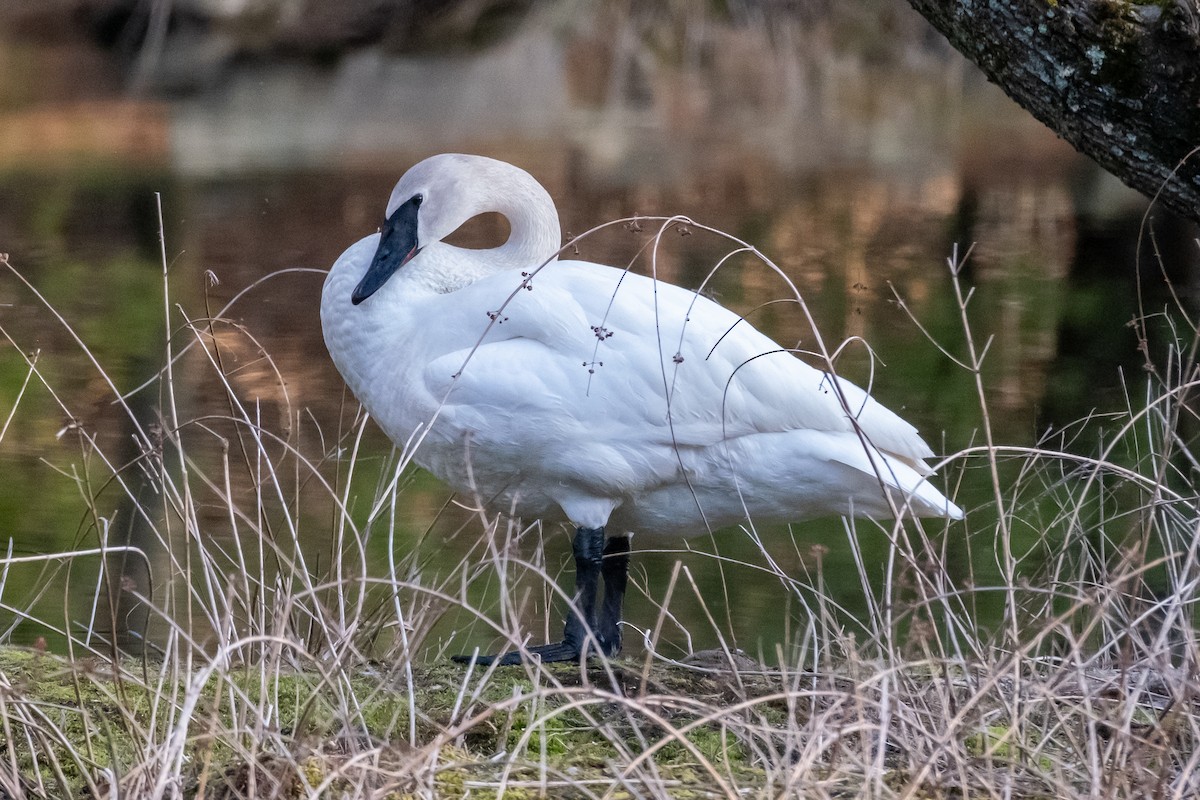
[855, 169]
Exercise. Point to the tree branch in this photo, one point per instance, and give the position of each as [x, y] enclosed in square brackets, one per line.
[1119, 80]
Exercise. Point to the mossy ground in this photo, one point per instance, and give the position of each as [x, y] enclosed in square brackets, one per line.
[615, 729]
[490, 730]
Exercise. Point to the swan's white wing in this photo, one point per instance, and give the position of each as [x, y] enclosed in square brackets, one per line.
[632, 359]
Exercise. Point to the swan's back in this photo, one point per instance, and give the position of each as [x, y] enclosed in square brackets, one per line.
[716, 375]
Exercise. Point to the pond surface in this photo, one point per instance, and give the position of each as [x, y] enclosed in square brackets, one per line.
[854, 166]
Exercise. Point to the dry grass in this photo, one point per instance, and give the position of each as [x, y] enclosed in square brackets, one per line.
[269, 670]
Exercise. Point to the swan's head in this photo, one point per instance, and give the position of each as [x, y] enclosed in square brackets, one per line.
[442, 192]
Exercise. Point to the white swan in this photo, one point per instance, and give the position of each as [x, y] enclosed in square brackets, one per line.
[589, 394]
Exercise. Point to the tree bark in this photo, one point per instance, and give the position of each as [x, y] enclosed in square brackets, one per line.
[1119, 80]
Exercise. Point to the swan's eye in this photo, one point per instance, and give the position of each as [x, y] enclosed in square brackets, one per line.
[417, 199]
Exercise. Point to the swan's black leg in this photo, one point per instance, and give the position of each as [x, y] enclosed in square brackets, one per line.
[616, 573]
[589, 551]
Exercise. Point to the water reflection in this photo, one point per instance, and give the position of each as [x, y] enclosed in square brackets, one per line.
[855, 175]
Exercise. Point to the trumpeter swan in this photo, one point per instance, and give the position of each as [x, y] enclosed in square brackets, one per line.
[590, 394]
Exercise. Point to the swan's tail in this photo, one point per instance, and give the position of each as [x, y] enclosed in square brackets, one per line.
[912, 491]
[800, 474]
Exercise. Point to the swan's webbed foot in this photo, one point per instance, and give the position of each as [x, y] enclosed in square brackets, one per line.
[593, 557]
[546, 653]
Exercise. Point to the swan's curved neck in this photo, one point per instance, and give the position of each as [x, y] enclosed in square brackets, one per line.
[457, 188]
[534, 233]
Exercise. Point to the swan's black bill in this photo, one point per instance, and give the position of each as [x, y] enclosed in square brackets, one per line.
[397, 246]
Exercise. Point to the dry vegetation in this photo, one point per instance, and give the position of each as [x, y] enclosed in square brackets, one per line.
[270, 673]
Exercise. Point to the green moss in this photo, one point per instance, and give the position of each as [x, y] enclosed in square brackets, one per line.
[566, 735]
[712, 743]
[1000, 742]
[1118, 59]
